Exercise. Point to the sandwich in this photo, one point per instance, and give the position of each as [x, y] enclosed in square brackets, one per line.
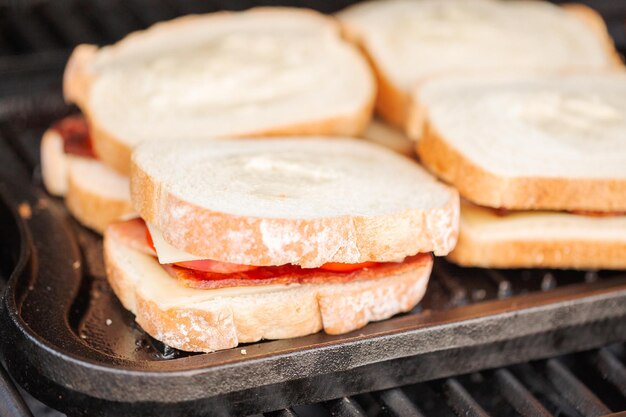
[271, 238]
[411, 41]
[262, 72]
[540, 162]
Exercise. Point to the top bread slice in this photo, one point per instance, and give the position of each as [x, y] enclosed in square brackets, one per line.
[410, 41]
[304, 201]
[554, 143]
[266, 71]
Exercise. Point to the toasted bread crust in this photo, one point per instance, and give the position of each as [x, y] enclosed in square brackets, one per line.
[391, 103]
[78, 80]
[595, 22]
[517, 193]
[345, 239]
[92, 209]
[575, 254]
[336, 308]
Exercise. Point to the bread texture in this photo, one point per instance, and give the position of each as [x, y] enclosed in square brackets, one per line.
[262, 72]
[96, 195]
[54, 163]
[539, 239]
[390, 137]
[410, 42]
[207, 320]
[304, 201]
[553, 143]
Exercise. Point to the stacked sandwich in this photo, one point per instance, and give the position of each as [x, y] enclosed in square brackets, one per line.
[522, 107]
[542, 161]
[273, 238]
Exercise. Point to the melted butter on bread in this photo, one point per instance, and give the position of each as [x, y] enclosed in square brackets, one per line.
[575, 117]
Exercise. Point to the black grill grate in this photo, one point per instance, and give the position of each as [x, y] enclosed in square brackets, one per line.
[589, 384]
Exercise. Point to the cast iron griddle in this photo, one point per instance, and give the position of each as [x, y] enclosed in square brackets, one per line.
[68, 341]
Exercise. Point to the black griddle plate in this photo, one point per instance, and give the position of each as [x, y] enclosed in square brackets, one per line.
[68, 341]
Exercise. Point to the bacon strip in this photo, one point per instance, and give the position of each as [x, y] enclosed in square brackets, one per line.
[292, 274]
[75, 134]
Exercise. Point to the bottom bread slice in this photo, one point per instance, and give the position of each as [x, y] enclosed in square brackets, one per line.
[96, 195]
[208, 320]
[542, 239]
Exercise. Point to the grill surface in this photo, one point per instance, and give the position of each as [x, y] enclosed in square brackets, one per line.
[58, 345]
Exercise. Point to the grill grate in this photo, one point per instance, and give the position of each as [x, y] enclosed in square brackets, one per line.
[554, 387]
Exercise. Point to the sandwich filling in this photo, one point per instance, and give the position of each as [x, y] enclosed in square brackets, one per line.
[74, 132]
[212, 274]
[503, 212]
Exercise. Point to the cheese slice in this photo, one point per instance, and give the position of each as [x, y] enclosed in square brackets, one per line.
[167, 253]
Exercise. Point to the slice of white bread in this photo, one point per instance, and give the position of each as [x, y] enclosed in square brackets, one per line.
[54, 163]
[390, 137]
[262, 72]
[539, 239]
[207, 320]
[304, 201]
[95, 194]
[554, 143]
[410, 41]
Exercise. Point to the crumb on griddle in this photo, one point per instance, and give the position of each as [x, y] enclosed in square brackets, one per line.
[24, 210]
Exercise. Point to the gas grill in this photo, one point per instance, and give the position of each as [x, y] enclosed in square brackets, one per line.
[482, 342]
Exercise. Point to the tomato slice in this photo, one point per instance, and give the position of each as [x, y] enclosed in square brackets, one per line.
[207, 265]
[339, 267]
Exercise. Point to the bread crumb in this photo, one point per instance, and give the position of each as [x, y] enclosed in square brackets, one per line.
[76, 264]
[109, 322]
[25, 210]
[244, 352]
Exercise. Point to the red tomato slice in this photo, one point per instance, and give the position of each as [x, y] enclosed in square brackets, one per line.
[339, 267]
[208, 265]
